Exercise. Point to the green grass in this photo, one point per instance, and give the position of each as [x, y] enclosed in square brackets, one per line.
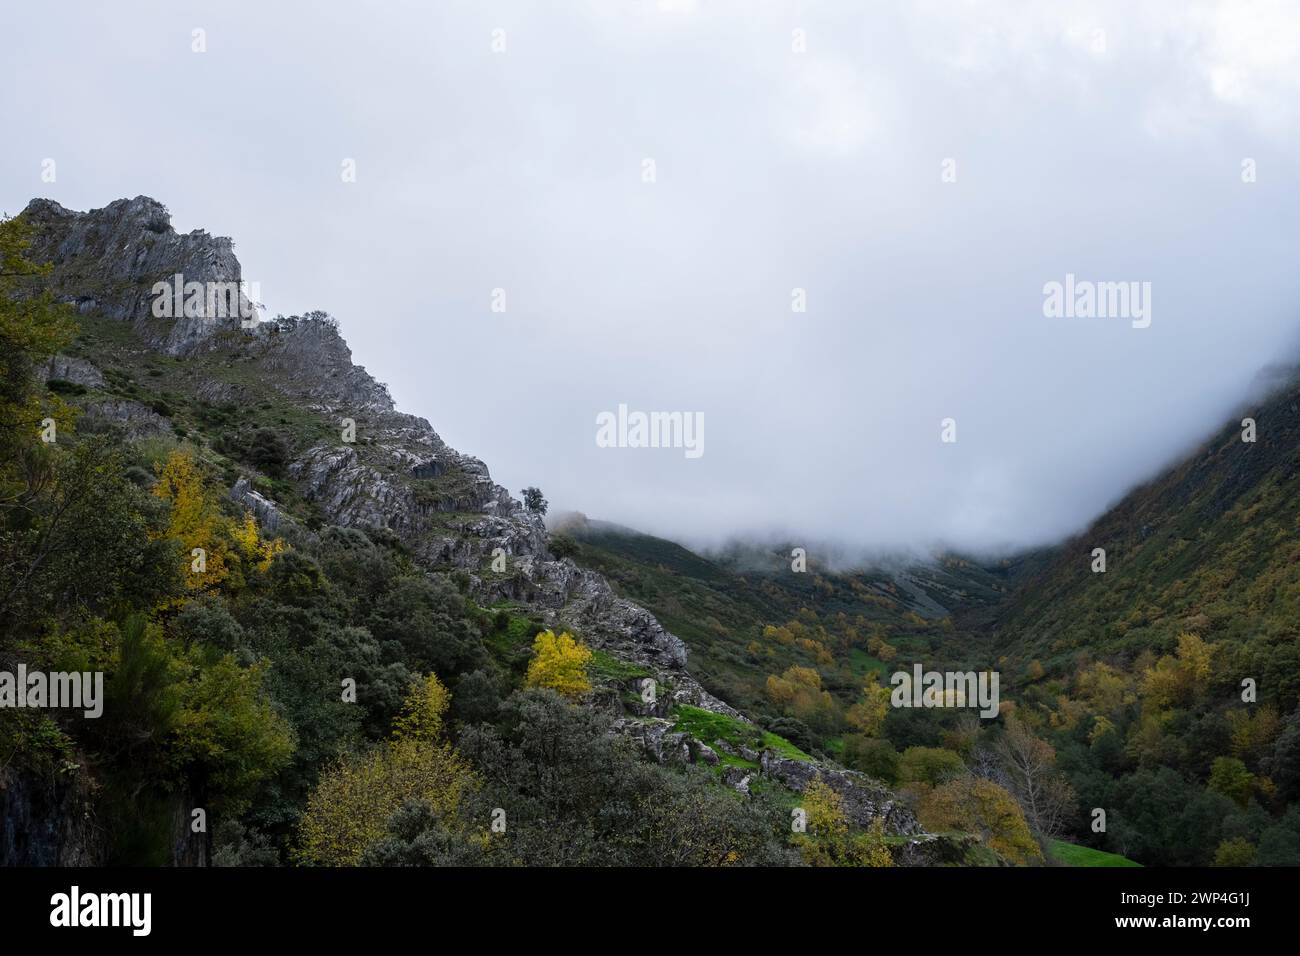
[1071, 854]
[709, 727]
[610, 668]
[783, 747]
[731, 760]
[511, 646]
[863, 663]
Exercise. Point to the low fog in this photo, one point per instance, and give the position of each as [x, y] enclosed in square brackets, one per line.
[1108, 141]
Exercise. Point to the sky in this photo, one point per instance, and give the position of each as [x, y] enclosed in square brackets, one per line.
[651, 187]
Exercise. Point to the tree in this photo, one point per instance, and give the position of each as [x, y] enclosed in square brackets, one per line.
[1229, 776]
[257, 551]
[829, 841]
[824, 809]
[1042, 791]
[194, 520]
[799, 693]
[534, 501]
[430, 620]
[350, 809]
[874, 757]
[868, 715]
[32, 328]
[1235, 852]
[1175, 680]
[226, 736]
[269, 452]
[929, 766]
[478, 697]
[83, 507]
[559, 664]
[423, 711]
[1285, 765]
[970, 804]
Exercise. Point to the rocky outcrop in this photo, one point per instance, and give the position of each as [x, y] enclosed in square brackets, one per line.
[131, 419]
[937, 849]
[372, 465]
[265, 510]
[47, 822]
[865, 800]
[656, 739]
[108, 260]
[68, 369]
[307, 359]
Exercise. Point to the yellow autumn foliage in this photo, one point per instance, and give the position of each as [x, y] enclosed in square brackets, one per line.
[829, 841]
[560, 664]
[195, 520]
[868, 715]
[350, 807]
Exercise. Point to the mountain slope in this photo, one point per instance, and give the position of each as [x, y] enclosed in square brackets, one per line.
[1209, 547]
[311, 444]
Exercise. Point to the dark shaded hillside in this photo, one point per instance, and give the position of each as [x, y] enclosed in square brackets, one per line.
[1168, 684]
[1211, 547]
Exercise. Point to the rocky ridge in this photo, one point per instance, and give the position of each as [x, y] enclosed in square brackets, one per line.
[396, 473]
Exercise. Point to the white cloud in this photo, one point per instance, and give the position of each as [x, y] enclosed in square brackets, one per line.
[776, 170]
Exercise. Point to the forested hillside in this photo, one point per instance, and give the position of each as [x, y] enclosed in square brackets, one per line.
[1161, 690]
[1170, 680]
[327, 638]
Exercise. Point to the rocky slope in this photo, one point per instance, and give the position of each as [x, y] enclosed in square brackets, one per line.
[356, 459]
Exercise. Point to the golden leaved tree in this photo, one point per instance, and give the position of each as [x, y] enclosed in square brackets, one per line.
[349, 809]
[193, 519]
[868, 715]
[215, 548]
[559, 663]
[971, 804]
[829, 841]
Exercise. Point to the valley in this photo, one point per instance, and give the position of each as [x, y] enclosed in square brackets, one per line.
[620, 698]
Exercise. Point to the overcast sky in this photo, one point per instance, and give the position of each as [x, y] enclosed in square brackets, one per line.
[1104, 140]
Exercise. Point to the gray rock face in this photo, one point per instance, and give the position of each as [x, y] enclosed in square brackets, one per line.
[865, 800]
[657, 739]
[46, 822]
[267, 513]
[308, 360]
[131, 419]
[107, 261]
[69, 369]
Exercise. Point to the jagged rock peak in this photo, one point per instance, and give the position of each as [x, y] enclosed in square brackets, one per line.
[312, 359]
[109, 259]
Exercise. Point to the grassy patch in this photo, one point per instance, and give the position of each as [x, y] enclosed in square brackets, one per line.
[605, 667]
[711, 727]
[783, 747]
[863, 663]
[1071, 854]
